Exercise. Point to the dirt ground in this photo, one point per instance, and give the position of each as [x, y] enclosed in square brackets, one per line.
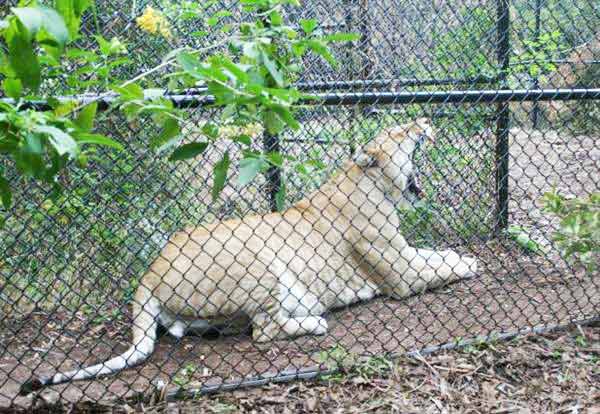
[556, 372]
[514, 290]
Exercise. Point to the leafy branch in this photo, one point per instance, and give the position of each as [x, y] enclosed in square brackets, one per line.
[251, 81]
[578, 235]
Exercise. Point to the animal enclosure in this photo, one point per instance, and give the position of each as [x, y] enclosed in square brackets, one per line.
[512, 90]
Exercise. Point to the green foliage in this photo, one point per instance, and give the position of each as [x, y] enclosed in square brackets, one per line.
[521, 236]
[36, 36]
[252, 80]
[339, 360]
[579, 233]
[185, 375]
[465, 51]
[94, 68]
[41, 143]
[72, 11]
[345, 363]
[537, 58]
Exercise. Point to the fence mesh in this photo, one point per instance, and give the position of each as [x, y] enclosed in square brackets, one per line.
[73, 271]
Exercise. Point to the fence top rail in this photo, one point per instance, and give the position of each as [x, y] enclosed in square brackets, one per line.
[364, 98]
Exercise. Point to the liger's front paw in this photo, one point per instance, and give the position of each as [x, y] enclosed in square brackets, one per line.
[315, 325]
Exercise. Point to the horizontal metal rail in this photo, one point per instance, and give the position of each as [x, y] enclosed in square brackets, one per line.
[458, 96]
[372, 98]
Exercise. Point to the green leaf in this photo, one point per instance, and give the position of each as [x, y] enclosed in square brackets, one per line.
[273, 70]
[85, 119]
[275, 158]
[62, 142]
[235, 70]
[188, 151]
[71, 11]
[249, 168]
[223, 13]
[299, 49]
[251, 50]
[308, 25]
[276, 18]
[188, 62]
[130, 92]
[322, 50]
[81, 6]
[31, 18]
[243, 139]
[36, 19]
[12, 87]
[286, 115]
[220, 176]
[210, 130]
[98, 139]
[62, 107]
[30, 156]
[103, 44]
[5, 192]
[169, 130]
[273, 122]
[22, 57]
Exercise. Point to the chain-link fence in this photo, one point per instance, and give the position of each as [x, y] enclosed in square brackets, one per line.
[483, 105]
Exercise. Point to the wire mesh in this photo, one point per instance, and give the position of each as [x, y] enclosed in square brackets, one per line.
[136, 243]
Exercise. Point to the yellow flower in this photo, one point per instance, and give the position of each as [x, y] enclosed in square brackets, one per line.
[153, 22]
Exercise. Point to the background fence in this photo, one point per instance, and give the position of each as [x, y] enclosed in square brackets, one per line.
[487, 73]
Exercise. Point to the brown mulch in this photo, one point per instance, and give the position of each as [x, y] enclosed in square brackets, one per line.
[555, 372]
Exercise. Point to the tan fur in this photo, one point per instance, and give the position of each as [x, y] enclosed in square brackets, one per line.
[340, 240]
[282, 271]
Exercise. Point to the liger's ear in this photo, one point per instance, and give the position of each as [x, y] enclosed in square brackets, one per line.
[365, 158]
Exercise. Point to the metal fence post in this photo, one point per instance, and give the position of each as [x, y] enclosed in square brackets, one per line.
[366, 64]
[273, 175]
[536, 81]
[365, 38]
[502, 117]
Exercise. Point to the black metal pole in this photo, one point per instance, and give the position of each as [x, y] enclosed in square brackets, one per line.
[350, 71]
[502, 117]
[536, 82]
[484, 96]
[365, 39]
[366, 65]
[273, 174]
